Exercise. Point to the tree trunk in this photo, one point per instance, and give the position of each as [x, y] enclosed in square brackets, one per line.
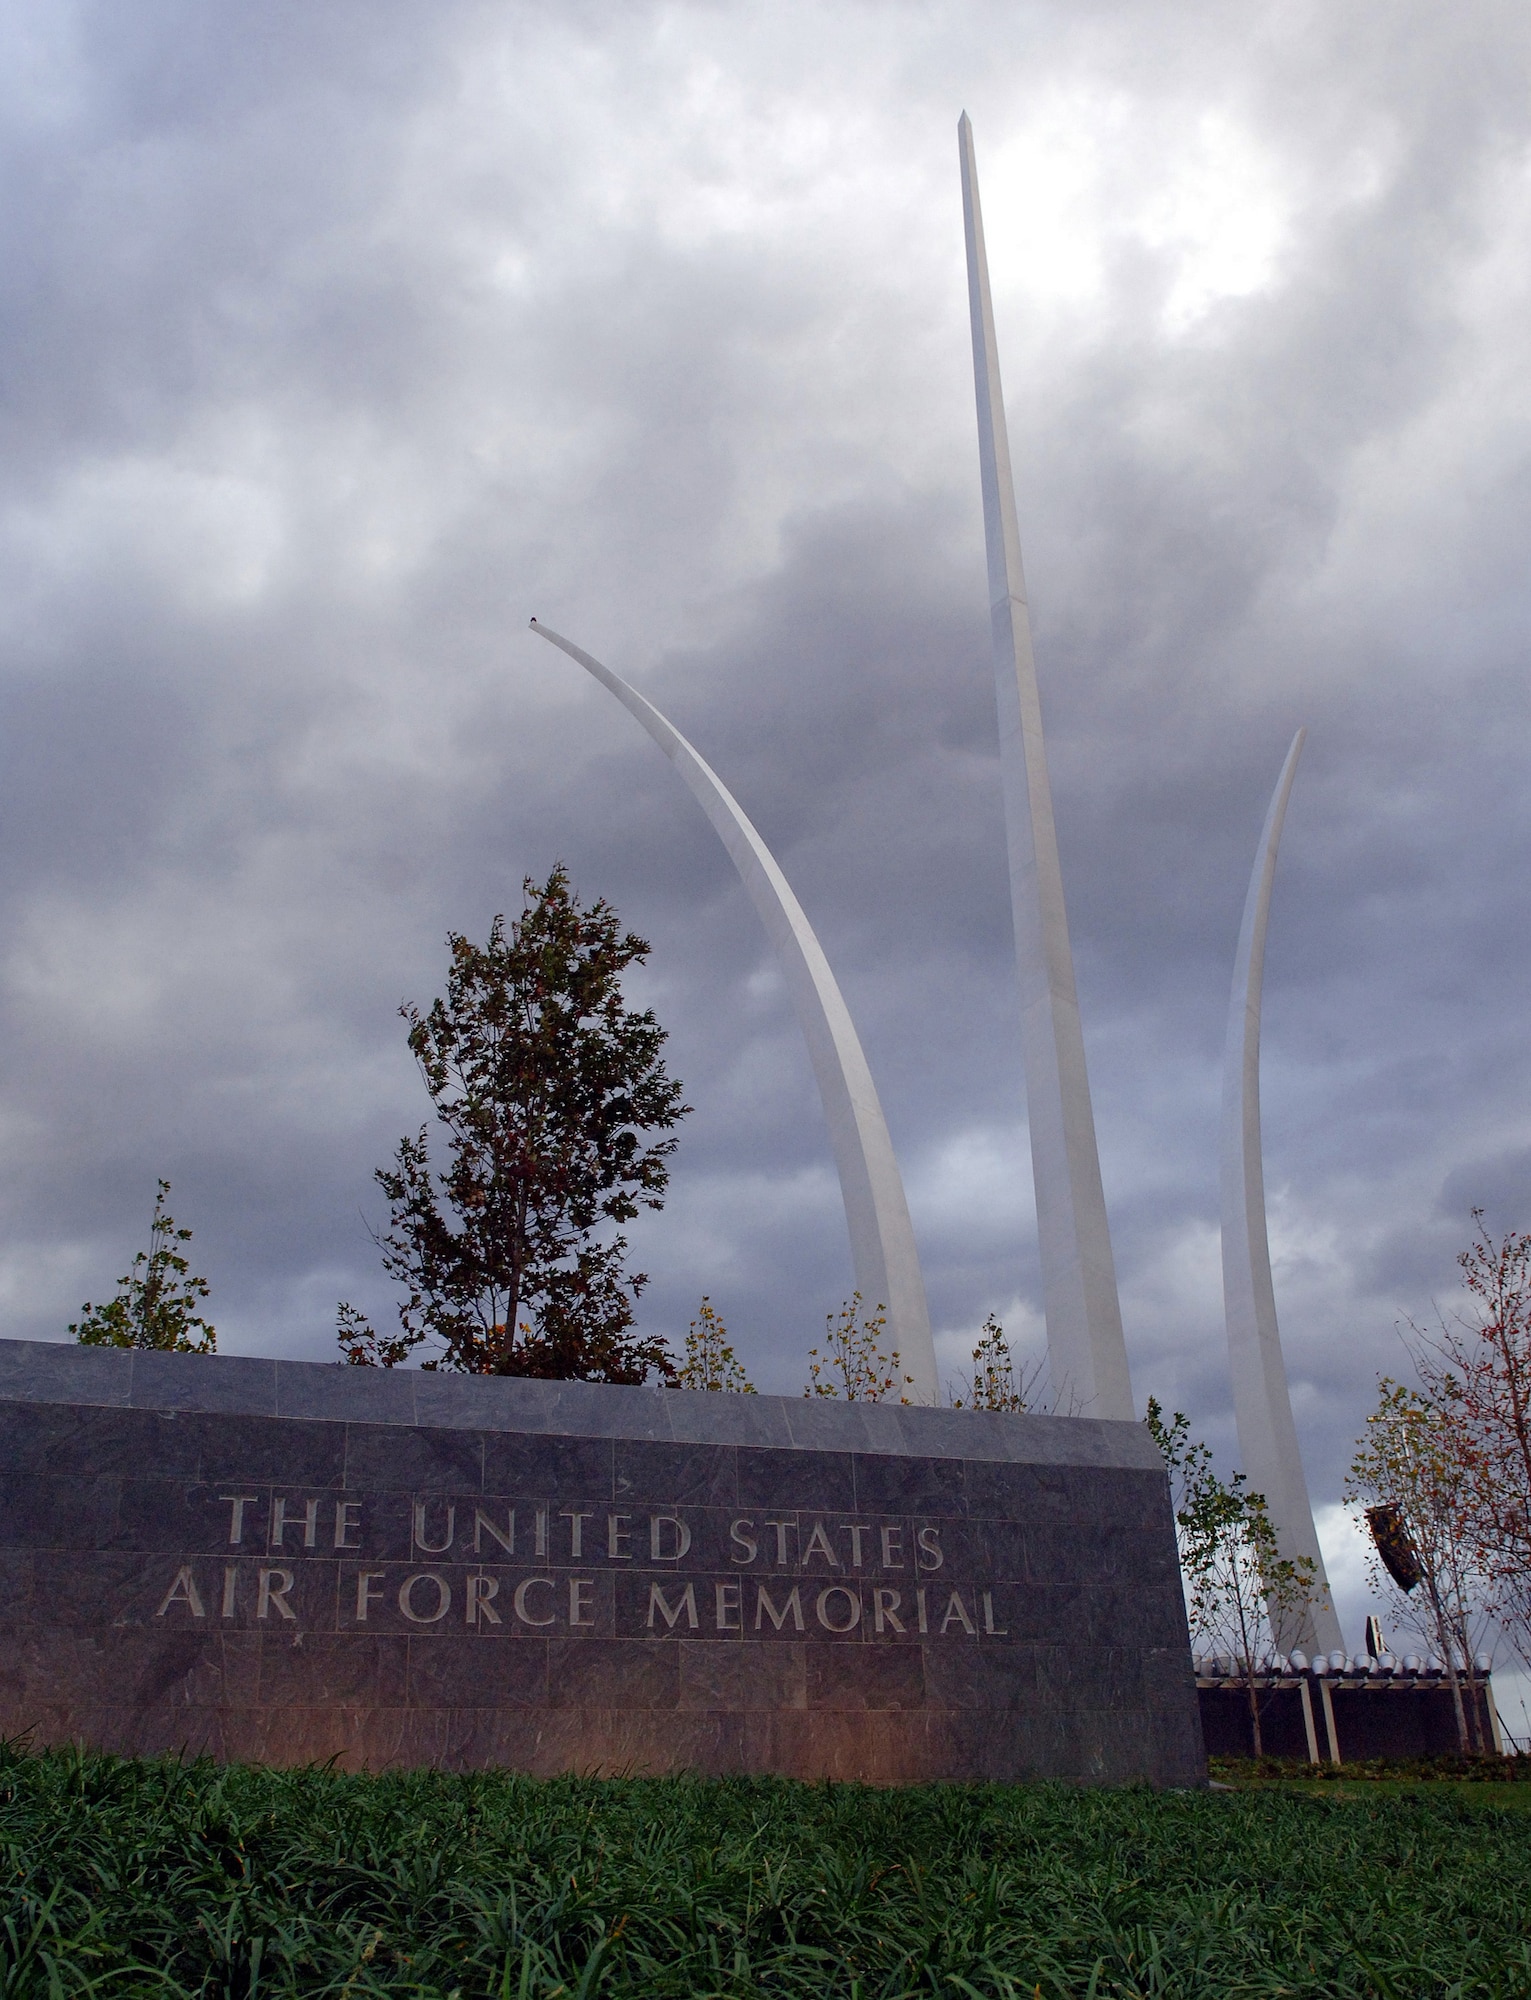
[1254, 1709]
[507, 1351]
[1445, 1638]
[1474, 1714]
[1457, 1703]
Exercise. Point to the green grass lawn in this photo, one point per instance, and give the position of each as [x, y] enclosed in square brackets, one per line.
[152, 1878]
[1517, 1797]
[1504, 1781]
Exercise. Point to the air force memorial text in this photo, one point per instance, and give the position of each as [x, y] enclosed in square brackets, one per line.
[500, 1567]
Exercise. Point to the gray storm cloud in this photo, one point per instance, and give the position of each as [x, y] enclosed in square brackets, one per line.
[337, 341]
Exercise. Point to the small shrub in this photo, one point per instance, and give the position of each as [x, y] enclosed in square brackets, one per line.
[710, 1362]
[852, 1363]
[156, 1306]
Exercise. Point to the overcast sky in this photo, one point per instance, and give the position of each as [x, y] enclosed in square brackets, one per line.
[339, 340]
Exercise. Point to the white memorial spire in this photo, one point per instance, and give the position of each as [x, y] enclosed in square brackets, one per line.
[1086, 1351]
[876, 1211]
[1262, 1401]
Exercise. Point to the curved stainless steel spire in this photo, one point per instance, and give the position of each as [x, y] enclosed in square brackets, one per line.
[1086, 1351]
[1262, 1401]
[876, 1212]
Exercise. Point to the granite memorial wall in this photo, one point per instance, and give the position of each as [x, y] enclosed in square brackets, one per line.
[284, 1562]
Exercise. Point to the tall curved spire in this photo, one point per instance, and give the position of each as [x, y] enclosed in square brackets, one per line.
[1086, 1351]
[1262, 1401]
[876, 1211]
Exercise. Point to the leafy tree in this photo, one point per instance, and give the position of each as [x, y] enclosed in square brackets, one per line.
[1476, 1373]
[548, 1086]
[852, 1363]
[710, 1361]
[1410, 1480]
[157, 1305]
[1242, 1594]
[997, 1382]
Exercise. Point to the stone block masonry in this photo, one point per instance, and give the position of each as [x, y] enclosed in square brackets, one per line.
[283, 1562]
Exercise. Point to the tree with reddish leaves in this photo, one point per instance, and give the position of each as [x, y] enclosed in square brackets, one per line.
[548, 1087]
[1411, 1483]
[1476, 1370]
